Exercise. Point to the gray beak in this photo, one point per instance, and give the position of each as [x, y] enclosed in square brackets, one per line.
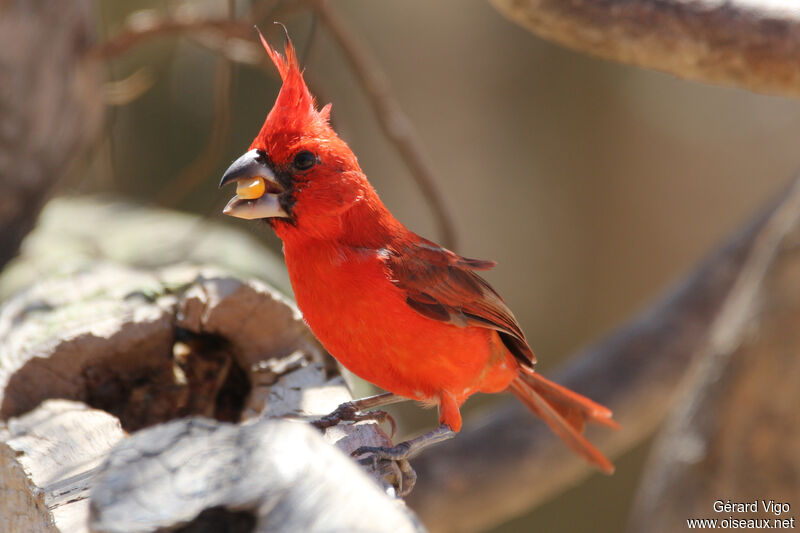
[257, 190]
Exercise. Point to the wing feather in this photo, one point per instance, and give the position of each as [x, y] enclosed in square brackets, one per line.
[443, 286]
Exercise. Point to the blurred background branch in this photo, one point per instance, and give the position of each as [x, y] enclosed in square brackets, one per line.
[743, 43]
[734, 430]
[147, 25]
[50, 107]
[199, 170]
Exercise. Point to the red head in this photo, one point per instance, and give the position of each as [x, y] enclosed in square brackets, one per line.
[298, 172]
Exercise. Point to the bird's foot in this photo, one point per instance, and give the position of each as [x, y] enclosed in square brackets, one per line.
[355, 411]
[348, 412]
[395, 472]
[399, 452]
[381, 458]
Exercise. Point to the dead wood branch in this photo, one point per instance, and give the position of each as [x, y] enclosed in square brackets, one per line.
[635, 372]
[734, 434]
[743, 43]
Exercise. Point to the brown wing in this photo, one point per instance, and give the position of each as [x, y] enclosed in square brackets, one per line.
[443, 286]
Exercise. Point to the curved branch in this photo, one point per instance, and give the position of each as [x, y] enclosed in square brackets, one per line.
[752, 44]
[634, 371]
[163, 26]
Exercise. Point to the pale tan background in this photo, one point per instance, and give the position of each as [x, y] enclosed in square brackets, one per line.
[594, 185]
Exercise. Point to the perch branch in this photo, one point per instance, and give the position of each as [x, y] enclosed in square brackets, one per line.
[634, 371]
[752, 44]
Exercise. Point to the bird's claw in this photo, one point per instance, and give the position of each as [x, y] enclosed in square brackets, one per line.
[380, 417]
[391, 453]
[348, 412]
[391, 465]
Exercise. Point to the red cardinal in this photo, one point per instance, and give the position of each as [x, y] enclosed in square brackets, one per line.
[397, 310]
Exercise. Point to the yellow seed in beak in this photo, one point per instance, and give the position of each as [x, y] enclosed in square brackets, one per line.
[251, 189]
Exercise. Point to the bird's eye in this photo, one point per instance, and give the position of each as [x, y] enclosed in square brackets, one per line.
[304, 160]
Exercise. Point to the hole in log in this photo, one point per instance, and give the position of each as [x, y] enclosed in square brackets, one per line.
[219, 520]
[200, 377]
[232, 395]
[150, 355]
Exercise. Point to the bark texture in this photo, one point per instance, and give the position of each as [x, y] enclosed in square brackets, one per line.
[267, 477]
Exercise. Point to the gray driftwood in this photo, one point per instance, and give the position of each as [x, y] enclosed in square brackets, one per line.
[132, 349]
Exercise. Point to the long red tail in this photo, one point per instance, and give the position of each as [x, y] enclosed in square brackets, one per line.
[566, 412]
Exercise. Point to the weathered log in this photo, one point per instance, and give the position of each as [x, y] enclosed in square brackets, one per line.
[752, 44]
[635, 371]
[735, 433]
[55, 449]
[277, 476]
[74, 234]
[146, 348]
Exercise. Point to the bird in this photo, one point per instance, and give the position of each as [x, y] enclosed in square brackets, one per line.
[394, 308]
